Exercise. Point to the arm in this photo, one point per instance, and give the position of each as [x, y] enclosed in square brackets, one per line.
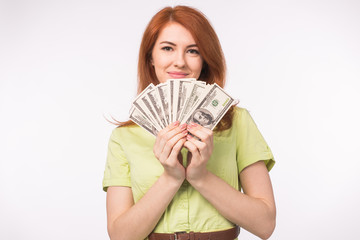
[127, 220]
[253, 210]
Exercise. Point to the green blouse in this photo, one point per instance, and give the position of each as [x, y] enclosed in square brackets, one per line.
[131, 163]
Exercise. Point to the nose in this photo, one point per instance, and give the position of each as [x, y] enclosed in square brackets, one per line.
[179, 60]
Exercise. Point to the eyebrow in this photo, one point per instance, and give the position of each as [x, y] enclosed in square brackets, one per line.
[173, 44]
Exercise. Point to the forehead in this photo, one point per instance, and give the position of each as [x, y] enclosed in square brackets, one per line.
[176, 33]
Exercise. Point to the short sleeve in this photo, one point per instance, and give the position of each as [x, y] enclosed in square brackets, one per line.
[117, 171]
[251, 146]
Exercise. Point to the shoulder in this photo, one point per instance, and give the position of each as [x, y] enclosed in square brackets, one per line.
[241, 116]
[243, 123]
[120, 133]
[125, 131]
[241, 112]
[128, 134]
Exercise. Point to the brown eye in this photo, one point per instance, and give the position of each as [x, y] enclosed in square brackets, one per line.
[167, 48]
[193, 51]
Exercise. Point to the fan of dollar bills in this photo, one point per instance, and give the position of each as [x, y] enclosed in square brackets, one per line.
[184, 100]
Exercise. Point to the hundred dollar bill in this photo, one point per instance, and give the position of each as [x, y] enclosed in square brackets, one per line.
[143, 108]
[175, 97]
[184, 90]
[162, 89]
[142, 121]
[196, 92]
[171, 99]
[211, 108]
[153, 96]
[152, 111]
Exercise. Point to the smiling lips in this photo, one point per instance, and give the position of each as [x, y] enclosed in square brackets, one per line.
[177, 74]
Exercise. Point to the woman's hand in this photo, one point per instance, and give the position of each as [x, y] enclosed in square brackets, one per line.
[200, 150]
[167, 148]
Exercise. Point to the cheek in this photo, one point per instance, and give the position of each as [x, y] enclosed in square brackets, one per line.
[159, 62]
[161, 59]
[196, 65]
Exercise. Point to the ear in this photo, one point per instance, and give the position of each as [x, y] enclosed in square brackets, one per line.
[151, 61]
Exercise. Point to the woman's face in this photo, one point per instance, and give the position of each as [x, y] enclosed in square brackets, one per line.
[175, 54]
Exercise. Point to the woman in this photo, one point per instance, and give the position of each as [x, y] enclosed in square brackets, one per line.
[176, 186]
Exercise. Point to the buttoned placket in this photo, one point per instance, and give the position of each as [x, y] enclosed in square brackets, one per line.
[183, 199]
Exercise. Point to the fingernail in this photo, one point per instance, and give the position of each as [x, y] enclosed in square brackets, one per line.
[183, 126]
[185, 132]
[193, 124]
[176, 123]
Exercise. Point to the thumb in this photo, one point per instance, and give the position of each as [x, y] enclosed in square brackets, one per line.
[180, 158]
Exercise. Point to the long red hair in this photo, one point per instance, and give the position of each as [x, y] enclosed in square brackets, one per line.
[214, 67]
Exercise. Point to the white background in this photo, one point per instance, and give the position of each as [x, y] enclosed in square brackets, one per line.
[64, 65]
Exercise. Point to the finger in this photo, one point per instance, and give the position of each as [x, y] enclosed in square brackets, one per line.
[193, 149]
[201, 132]
[170, 134]
[177, 148]
[166, 130]
[171, 143]
[163, 137]
[171, 126]
[157, 146]
[189, 157]
[201, 146]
